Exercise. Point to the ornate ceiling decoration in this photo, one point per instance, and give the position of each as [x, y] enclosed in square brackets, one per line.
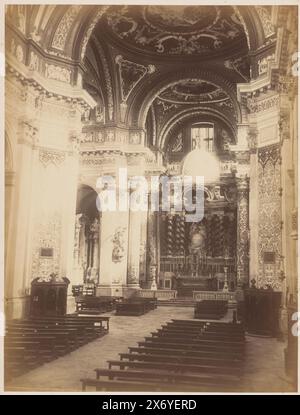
[64, 27]
[194, 91]
[188, 94]
[177, 30]
[130, 74]
[264, 13]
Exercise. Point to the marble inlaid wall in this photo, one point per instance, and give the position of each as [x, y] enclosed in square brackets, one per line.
[269, 216]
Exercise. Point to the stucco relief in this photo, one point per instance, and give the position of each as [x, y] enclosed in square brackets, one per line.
[265, 17]
[131, 74]
[17, 50]
[257, 105]
[60, 37]
[118, 241]
[58, 73]
[34, 62]
[48, 156]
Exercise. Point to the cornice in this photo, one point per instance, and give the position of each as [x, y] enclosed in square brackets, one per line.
[49, 87]
[265, 80]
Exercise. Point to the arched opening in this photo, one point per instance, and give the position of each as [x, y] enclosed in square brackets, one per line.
[200, 255]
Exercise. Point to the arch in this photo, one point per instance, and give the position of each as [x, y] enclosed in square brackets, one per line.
[86, 201]
[252, 26]
[191, 113]
[139, 107]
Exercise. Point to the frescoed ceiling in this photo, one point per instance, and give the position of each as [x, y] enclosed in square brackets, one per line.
[177, 30]
[193, 91]
[139, 61]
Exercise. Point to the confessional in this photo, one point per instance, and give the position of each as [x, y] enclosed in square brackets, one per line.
[261, 311]
[49, 296]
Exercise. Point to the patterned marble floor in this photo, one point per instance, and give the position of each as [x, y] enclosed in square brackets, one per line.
[264, 367]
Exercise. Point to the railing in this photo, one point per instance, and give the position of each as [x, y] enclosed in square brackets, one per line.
[213, 295]
[159, 294]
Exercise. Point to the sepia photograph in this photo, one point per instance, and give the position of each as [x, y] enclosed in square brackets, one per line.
[150, 165]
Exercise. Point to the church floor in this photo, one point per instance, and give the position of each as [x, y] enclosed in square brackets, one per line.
[264, 367]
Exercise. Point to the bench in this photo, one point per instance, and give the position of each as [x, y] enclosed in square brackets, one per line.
[94, 305]
[135, 306]
[32, 342]
[175, 366]
[164, 376]
[126, 386]
[213, 360]
[184, 357]
[204, 344]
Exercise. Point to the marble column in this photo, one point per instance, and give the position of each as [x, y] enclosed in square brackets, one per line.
[242, 231]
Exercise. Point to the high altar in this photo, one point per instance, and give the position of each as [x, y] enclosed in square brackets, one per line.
[196, 256]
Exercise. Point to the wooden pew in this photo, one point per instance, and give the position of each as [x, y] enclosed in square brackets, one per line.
[212, 335]
[60, 346]
[183, 351]
[163, 381]
[232, 327]
[135, 306]
[189, 336]
[166, 376]
[94, 305]
[195, 360]
[34, 341]
[204, 344]
[96, 321]
[84, 334]
[216, 350]
[150, 387]
[209, 358]
[174, 366]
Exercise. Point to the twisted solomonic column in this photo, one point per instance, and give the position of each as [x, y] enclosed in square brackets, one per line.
[242, 231]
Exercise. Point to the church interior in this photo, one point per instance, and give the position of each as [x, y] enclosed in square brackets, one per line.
[104, 300]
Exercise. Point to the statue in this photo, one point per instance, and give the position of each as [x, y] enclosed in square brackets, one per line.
[94, 228]
[153, 277]
[118, 251]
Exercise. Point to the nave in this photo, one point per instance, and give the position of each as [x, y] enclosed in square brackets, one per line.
[260, 372]
[133, 105]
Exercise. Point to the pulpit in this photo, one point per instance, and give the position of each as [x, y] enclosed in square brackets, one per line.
[49, 296]
[262, 311]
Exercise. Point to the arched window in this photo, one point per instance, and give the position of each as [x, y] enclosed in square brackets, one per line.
[202, 136]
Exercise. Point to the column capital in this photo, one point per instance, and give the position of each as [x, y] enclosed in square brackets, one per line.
[242, 183]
